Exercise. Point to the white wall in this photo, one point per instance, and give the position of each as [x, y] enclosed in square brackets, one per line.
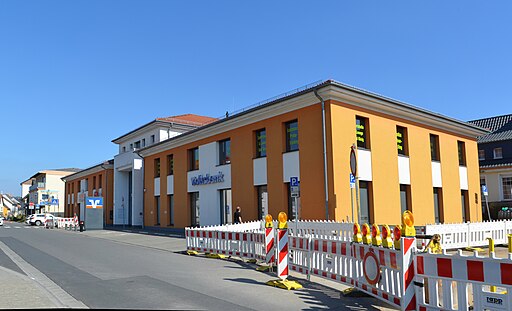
[291, 167]
[364, 165]
[259, 167]
[436, 175]
[209, 196]
[404, 172]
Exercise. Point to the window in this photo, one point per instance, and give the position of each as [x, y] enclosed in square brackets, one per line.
[124, 148]
[365, 202]
[506, 183]
[262, 201]
[481, 155]
[157, 207]
[405, 198]
[131, 146]
[498, 153]
[157, 167]
[94, 182]
[100, 180]
[170, 165]
[225, 206]
[261, 143]
[152, 139]
[194, 208]
[137, 145]
[461, 149]
[170, 199]
[224, 152]
[434, 147]
[401, 140]
[292, 135]
[464, 199]
[193, 159]
[482, 183]
[438, 205]
[362, 132]
[143, 142]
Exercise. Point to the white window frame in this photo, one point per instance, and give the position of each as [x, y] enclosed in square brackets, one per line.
[494, 153]
[502, 191]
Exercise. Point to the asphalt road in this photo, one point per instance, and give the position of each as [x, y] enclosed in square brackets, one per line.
[109, 269]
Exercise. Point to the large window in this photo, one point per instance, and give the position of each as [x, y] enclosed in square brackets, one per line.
[224, 151]
[401, 140]
[438, 205]
[498, 153]
[137, 144]
[461, 149]
[362, 136]
[193, 159]
[405, 198]
[365, 202]
[292, 135]
[170, 164]
[464, 199]
[194, 208]
[157, 167]
[157, 210]
[225, 206]
[261, 143]
[262, 198]
[170, 200]
[506, 183]
[434, 148]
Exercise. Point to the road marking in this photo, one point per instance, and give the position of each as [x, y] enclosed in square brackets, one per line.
[17, 227]
[7, 227]
[56, 294]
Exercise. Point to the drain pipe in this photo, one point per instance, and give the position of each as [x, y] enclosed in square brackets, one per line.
[325, 157]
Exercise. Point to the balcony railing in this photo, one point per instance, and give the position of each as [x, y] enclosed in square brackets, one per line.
[38, 185]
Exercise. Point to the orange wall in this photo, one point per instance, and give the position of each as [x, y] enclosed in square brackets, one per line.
[340, 124]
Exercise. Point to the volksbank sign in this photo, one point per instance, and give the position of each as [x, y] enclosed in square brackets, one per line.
[207, 179]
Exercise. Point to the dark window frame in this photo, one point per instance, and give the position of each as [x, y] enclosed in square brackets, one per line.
[291, 144]
[363, 132]
[224, 151]
[193, 163]
[170, 164]
[156, 163]
[461, 152]
[402, 142]
[435, 152]
[261, 145]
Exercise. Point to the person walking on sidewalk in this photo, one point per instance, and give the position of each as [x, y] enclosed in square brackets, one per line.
[238, 216]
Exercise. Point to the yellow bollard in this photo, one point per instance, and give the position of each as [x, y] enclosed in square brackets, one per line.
[491, 251]
[367, 236]
[386, 237]
[376, 239]
[509, 243]
[358, 238]
[397, 235]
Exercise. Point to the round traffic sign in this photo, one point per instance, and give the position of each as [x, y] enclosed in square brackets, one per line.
[353, 161]
[371, 268]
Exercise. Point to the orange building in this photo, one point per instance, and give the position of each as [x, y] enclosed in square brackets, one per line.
[407, 158]
[97, 181]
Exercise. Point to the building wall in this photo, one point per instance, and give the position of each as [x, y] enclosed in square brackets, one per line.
[75, 186]
[385, 176]
[379, 165]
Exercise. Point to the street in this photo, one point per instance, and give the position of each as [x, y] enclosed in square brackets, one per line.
[116, 269]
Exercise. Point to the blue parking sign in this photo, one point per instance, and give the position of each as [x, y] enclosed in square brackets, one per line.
[294, 181]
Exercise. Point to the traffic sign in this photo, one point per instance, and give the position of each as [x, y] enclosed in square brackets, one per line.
[294, 189]
[353, 161]
[55, 202]
[484, 190]
[352, 181]
[294, 181]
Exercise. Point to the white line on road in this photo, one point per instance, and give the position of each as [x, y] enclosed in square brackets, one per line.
[17, 227]
[56, 294]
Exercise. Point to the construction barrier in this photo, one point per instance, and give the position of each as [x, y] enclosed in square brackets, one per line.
[471, 234]
[388, 267]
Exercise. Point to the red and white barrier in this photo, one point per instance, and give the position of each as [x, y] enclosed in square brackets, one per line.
[282, 253]
[269, 245]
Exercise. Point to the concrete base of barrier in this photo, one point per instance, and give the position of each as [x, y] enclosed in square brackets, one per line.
[265, 268]
[192, 253]
[216, 256]
[285, 284]
[251, 261]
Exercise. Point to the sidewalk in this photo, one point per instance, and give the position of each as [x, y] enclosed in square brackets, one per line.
[23, 293]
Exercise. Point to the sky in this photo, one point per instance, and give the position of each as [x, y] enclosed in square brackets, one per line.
[74, 75]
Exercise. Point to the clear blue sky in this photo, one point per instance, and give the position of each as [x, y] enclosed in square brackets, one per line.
[76, 74]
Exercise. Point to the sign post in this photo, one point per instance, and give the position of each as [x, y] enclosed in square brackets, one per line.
[295, 194]
[484, 191]
[352, 186]
[353, 170]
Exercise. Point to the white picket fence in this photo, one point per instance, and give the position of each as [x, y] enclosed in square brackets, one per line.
[474, 234]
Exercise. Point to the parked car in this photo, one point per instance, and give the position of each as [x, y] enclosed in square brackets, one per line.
[37, 219]
[27, 221]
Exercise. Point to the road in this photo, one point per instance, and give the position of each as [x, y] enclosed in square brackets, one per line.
[115, 269]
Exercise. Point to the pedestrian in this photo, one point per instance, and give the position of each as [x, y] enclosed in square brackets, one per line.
[238, 215]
